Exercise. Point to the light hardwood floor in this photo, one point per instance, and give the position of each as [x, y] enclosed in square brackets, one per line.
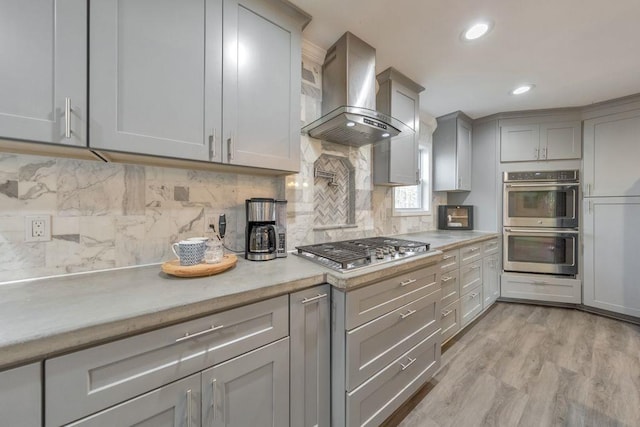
[526, 365]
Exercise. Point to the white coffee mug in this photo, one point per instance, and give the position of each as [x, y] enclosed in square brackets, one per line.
[189, 252]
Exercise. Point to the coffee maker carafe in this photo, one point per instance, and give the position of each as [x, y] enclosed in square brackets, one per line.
[261, 232]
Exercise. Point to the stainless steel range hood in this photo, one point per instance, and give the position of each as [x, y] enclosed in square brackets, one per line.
[349, 97]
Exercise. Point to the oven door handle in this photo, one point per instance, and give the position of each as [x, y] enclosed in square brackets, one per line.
[545, 231]
[545, 184]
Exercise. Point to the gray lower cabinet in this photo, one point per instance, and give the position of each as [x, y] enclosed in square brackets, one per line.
[250, 390]
[21, 396]
[385, 344]
[490, 279]
[310, 352]
[174, 405]
[44, 80]
[108, 374]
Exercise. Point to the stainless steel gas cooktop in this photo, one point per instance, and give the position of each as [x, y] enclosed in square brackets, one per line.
[348, 255]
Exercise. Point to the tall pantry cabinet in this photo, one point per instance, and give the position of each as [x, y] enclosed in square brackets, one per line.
[611, 211]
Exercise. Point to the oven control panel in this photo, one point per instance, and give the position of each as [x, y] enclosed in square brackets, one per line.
[554, 176]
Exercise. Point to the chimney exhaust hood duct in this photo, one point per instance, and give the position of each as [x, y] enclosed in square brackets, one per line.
[349, 97]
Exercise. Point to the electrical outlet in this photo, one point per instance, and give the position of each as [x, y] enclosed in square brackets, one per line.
[209, 221]
[37, 228]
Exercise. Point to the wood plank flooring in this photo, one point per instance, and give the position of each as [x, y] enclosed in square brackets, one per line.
[526, 365]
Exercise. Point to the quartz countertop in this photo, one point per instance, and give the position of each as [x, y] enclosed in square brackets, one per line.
[45, 317]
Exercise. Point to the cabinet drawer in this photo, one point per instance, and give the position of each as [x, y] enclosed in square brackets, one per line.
[450, 260]
[450, 286]
[375, 344]
[101, 376]
[470, 253]
[546, 289]
[471, 305]
[470, 276]
[372, 402]
[450, 320]
[367, 303]
[490, 247]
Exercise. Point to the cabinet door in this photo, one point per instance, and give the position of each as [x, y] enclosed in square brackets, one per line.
[310, 354]
[611, 153]
[262, 71]
[463, 158]
[403, 151]
[174, 405]
[155, 76]
[490, 280]
[519, 143]
[44, 60]
[611, 247]
[21, 396]
[250, 390]
[560, 141]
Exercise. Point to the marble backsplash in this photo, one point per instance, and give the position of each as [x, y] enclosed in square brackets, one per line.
[109, 215]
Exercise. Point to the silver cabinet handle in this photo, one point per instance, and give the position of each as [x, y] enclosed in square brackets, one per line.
[446, 313]
[408, 282]
[67, 118]
[540, 283]
[230, 147]
[407, 314]
[189, 408]
[312, 299]
[473, 249]
[447, 257]
[588, 189]
[408, 364]
[446, 278]
[475, 267]
[558, 231]
[473, 295]
[535, 153]
[544, 153]
[188, 336]
[212, 144]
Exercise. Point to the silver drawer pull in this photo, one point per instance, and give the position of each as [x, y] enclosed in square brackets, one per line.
[540, 283]
[446, 313]
[312, 299]
[473, 295]
[408, 282]
[475, 267]
[408, 364]
[188, 336]
[447, 257]
[407, 314]
[473, 249]
[446, 279]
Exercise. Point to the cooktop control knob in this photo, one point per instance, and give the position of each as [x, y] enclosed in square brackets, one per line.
[401, 250]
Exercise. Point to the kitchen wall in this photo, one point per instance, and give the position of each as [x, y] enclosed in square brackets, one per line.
[107, 215]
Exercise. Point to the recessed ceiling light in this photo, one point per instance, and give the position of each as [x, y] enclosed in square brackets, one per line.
[350, 124]
[476, 31]
[385, 135]
[522, 89]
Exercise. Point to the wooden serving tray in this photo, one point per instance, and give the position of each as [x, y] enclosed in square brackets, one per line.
[174, 268]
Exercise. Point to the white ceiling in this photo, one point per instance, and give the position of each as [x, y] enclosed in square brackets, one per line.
[576, 52]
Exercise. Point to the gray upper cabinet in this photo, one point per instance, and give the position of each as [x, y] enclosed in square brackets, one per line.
[452, 153]
[157, 71]
[540, 141]
[43, 78]
[611, 153]
[155, 77]
[396, 160]
[261, 74]
[21, 396]
[250, 390]
[310, 370]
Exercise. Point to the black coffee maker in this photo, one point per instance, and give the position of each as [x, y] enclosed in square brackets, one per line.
[261, 233]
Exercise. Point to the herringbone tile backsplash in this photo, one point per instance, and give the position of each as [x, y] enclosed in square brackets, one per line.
[332, 202]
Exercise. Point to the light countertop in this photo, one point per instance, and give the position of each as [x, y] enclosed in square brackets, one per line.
[45, 317]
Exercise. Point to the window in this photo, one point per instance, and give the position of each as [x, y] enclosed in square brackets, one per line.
[415, 199]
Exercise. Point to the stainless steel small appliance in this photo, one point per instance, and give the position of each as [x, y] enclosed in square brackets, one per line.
[261, 232]
[455, 217]
[541, 199]
[347, 255]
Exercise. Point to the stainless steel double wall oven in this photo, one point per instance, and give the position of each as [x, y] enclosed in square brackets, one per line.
[541, 222]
